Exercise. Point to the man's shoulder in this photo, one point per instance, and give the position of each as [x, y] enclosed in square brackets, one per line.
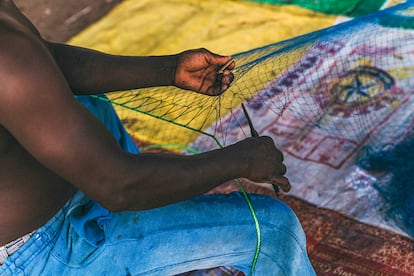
[17, 50]
[14, 41]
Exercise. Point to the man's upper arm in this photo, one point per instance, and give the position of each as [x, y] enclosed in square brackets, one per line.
[38, 109]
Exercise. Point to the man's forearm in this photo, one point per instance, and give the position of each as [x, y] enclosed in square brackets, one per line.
[153, 180]
[89, 72]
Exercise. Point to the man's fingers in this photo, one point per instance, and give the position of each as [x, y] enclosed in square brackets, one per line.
[221, 84]
[228, 78]
[227, 66]
[283, 169]
[224, 76]
[282, 182]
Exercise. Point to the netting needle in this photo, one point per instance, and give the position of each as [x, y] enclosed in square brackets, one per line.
[220, 74]
[221, 70]
[254, 133]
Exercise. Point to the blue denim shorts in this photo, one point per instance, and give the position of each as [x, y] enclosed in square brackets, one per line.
[208, 231]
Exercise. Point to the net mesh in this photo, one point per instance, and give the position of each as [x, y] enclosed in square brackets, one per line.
[331, 100]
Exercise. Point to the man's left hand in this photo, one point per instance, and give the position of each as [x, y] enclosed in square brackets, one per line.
[198, 70]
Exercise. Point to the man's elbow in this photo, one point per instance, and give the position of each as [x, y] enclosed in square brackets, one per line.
[108, 195]
[115, 202]
[118, 192]
[120, 198]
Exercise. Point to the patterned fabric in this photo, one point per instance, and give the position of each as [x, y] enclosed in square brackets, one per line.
[337, 244]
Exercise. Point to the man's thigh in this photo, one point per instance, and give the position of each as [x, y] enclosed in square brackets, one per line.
[205, 232]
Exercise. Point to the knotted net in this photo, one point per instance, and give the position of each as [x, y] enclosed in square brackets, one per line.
[338, 102]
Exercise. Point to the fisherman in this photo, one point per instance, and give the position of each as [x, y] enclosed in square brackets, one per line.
[73, 202]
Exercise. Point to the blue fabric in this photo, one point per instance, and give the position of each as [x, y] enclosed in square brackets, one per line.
[84, 238]
[394, 165]
[205, 232]
[105, 112]
[88, 220]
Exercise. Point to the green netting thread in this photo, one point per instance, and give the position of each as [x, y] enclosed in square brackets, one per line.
[190, 149]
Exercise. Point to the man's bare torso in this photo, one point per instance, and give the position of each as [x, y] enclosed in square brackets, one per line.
[29, 193]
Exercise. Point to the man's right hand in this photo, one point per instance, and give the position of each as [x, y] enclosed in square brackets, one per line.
[264, 161]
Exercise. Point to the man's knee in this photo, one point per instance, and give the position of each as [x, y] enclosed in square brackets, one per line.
[276, 214]
[281, 231]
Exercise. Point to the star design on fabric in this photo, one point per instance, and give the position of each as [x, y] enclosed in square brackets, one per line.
[357, 88]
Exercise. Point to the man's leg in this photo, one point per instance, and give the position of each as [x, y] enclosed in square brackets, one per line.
[206, 232]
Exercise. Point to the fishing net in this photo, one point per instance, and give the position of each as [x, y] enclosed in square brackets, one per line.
[338, 102]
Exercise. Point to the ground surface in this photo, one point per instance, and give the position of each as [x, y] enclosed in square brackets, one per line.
[59, 20]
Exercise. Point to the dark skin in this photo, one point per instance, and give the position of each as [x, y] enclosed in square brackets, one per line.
[51, 146]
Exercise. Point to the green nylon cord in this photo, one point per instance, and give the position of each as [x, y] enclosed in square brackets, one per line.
[193, 150]
[245, 195]
[257, 225]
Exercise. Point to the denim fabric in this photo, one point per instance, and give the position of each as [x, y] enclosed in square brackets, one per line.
[207, 231]
[105, 112]
[83, 238]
